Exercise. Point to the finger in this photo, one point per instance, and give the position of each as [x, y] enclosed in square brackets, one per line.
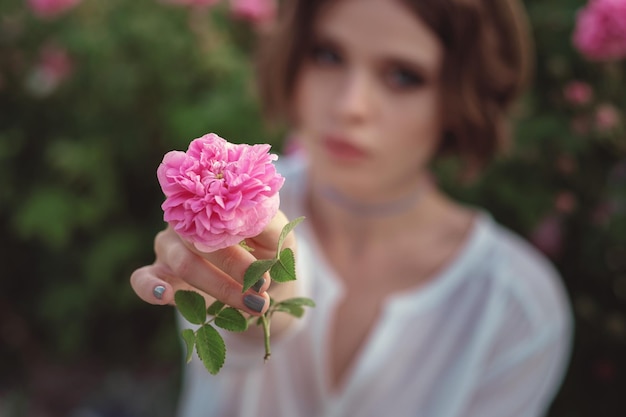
[235, 260]
[206, 277]
[153, 285]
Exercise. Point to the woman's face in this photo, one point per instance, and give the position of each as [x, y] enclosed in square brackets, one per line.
[367, 97]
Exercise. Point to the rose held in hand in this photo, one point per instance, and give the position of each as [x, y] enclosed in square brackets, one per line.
[219, 193]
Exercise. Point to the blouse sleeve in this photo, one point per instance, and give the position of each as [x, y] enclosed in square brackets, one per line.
[524, 382]
[530, 355]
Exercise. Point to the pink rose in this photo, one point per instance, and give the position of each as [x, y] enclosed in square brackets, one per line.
[578, 93]
[607, 117]
[51, 8]
[565, 202]
[548, 236]
[53, 68]
[256, 11]
[219, 193]
[600, 32]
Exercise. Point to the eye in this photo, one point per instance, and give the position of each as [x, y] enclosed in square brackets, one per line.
[325, 55]
[401, 78]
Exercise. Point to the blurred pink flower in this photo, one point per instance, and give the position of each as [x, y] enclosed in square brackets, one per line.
[256, 11]
[48, 9]
[219, 193]
[578, 93]
[548, 235]
[607, 117]
[193, 3]
[53, 68]
[600, 32]
[565, 202]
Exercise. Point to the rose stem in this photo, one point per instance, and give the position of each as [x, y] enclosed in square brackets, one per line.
[266, 333]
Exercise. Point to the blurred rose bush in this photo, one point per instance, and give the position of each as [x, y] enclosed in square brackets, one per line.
[51, 8]
[564, 185]
[94, 93]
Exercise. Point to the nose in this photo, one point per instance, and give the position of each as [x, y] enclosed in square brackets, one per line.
[354, 98]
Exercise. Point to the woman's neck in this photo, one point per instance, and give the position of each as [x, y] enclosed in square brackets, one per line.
[342, 217]
[370, 209]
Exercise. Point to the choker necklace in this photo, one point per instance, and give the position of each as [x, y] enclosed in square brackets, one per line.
[370, 210]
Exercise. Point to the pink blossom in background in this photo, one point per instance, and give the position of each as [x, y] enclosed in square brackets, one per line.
[53, 68]
[600, 32]
[51, 8]
[219, 193]
[607, 117]
[565, 202]
[548, 236]
[192, 3]
[578, 93]
[256, 11]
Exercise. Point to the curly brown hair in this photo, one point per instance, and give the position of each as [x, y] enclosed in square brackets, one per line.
[487, 65]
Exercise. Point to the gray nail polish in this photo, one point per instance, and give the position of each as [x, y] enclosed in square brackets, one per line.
[256, 287]
[158, 291]
[254, 302]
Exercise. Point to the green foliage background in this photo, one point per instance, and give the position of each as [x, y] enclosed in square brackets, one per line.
[79, 200]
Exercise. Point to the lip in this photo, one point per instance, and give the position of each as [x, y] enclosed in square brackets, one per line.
[341, 148]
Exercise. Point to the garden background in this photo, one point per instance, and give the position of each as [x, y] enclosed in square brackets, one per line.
[93, 93]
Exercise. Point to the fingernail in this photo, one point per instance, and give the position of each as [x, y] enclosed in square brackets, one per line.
[257, 287]
[254, 302]
[158, 291]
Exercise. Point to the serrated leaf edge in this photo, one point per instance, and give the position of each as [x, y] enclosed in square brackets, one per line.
[286, 229]
[251, 276]
[220, 319]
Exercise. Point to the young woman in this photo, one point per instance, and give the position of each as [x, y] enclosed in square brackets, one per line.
[425, 306]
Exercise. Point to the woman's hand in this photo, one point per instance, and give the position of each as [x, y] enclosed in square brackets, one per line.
[216, 275]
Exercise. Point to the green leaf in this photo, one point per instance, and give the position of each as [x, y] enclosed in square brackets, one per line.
[215, 308]
[298, 301]
[190, 341]
[285, 269]
[191, 305]
[211, 348]
[294, 310]
[288, 228]
[231, 319]
[294, 306]
[255, 272]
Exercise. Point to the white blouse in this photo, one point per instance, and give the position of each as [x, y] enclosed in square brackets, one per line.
[490, 336]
